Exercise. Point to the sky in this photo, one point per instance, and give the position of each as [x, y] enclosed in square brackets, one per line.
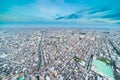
[65, 11]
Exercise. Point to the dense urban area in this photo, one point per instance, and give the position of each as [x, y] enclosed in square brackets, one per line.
[59, 54]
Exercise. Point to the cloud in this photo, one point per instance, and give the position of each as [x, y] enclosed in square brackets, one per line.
[59, 18]
[114, 16]
[66, 10]
[87, 13]
[94, 10]
[99, 15]
[71, 16]
[117, 22]
[5, 5]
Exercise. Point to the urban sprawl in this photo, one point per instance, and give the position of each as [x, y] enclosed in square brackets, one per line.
[59, 54]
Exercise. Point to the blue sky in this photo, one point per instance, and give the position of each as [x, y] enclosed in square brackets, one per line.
[78, 11]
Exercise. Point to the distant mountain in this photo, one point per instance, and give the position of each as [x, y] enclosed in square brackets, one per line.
[71, 16]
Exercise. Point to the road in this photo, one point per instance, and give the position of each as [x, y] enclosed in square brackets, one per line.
[39, 56]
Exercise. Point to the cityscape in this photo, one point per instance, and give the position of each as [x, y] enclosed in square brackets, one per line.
[59, 39]
[59, 54]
